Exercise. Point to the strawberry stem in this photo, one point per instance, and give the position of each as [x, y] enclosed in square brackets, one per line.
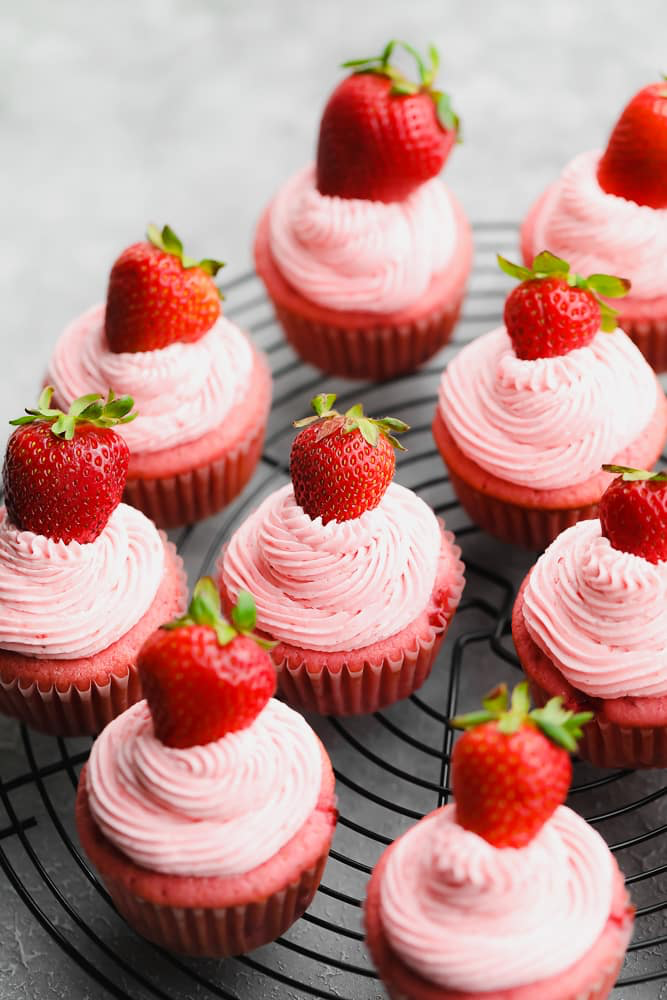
[635, 475]
[205, 609]
[354, 419]
[84, 410]
[558, 724]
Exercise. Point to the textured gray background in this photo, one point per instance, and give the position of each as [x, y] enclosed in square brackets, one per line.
[193, 112]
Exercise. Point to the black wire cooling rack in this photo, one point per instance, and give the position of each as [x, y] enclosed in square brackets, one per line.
[391, 767]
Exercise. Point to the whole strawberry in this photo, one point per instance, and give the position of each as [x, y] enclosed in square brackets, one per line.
[634, 164]
[342, 464]
[158, 296]
[633, 512]
[382, 135]
[554, 311]
[64, 473]
[511, 769]
[202, 676]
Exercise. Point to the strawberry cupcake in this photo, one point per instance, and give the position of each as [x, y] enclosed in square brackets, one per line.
[590, 623]
[355, 578]
[209, 808]
[366, 254]
[84, 579]
[528, 413]
[507, 894]
[608, 212]
[160, 337]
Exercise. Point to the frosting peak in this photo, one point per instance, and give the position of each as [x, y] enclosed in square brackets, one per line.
[600, 614]
[180, 392]
[219, 809]
[550, 422]
[354, 254]
[335, 586]
[469, 916]
[65, 600]
[597, 231]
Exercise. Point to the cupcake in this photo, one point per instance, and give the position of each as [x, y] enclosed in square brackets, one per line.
[209, 808]
[84, 579]
[590, 623]
[366, 254]
[355, 578]
[507, 894]
[608, 212]
[202, 389]
[528, 413]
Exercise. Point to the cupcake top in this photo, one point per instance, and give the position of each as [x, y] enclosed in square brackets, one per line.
[367, 227]
[209, 777]
[546, 399]
[507, 886]
[343, 557]
[78, 569]
[596, 601]
[159, 336]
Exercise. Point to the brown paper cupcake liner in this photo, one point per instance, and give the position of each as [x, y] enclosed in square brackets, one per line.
[377, 352]
[532, 528]
[171, 501]
[606, 744]
[218, 932]
[650, 336]
[76, 710]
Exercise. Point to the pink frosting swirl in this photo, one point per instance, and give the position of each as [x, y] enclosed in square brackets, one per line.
[551, 422]
[180, 392]
[63, 600]
[600, 614]
[596, 231]
[353, 254]
[335, 586]
[473, 917]
[219, 809]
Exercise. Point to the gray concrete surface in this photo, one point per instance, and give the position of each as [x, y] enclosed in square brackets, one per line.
[114, 114]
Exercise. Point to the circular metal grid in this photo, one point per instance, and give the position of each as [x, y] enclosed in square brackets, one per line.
[391, 767]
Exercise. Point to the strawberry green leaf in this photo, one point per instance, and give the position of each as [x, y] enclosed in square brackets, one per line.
[608, 285]
[471, 720]
[171, 242]
[368, 430]
[548, 263]
[609, 317]
[496, 700]
[83, 403]
[244, 615]
[354, 63]
[394, 424]
[446, 114]
[514, 270]
[521, 699]
[89, 409]
[323, 403]
[636, 475]
[401, 89]
[211, 266]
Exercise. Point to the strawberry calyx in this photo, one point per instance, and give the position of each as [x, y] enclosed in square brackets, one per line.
[402, 86]
[167, 241]
[354, 419]
[205, 609]
[560, 725]
[547, 265]
[91, 409]
[636, 475]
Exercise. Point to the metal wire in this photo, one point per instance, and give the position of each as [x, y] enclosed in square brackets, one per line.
[391, 768]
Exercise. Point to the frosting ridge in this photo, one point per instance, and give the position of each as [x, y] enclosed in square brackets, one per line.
[65, 600]
[337, 586]
[600, 232]
[600, 614]
[355, 254]
[551, 422]
[219, 809]
[180, 392]
[473, 917]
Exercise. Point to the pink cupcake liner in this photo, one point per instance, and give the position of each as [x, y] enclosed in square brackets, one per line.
[83, 707]
[377, 352]
[650, 336]
[218, 931]
[591, 978]
[362, 681]
[605, 742]
[171, 501]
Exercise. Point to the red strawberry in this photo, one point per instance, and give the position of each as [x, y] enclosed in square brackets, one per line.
[633, 512]
[511, 768]
[203, 677]
[157, 295]
[382, 135]
[554, 311]
[64, 473]
[341, 465]
[634, 164]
